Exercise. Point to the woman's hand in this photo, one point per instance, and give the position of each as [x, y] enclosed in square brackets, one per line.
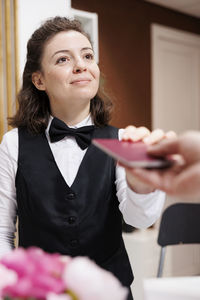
[131, 133]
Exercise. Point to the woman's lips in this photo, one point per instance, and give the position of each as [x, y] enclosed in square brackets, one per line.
[81, 81]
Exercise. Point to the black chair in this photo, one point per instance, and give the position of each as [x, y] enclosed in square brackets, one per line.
[180, 224]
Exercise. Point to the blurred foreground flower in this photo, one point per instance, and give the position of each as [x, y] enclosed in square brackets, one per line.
[33, 273]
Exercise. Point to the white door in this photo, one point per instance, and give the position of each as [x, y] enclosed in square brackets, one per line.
[175, 79]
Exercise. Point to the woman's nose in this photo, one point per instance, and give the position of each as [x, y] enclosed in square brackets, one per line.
[79, 66]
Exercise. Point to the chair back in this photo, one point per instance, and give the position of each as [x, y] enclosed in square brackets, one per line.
[180, 224]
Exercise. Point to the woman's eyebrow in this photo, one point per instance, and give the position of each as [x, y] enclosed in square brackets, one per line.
[60, 51]
[86, 48]
[68, 51]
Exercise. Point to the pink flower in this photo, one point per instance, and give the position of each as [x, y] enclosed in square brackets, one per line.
[38, 273]
[7, 277]
[25, 262]
[33, 273]
[90, 282]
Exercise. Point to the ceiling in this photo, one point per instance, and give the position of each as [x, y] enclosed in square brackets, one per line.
[190, 7]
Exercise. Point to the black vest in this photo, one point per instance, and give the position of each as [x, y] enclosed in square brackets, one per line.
[83, 219]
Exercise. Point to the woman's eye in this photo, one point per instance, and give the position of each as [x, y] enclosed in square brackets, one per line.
[89, 56]
[61, 60]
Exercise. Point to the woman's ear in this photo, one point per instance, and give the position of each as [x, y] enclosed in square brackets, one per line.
[38, 81]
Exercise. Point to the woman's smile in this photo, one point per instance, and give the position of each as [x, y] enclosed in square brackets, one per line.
[83, 81]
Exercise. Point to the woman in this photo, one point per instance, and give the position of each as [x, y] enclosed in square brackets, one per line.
[68, 195]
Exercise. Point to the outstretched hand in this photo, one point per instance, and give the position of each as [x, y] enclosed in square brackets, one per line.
[183, 178]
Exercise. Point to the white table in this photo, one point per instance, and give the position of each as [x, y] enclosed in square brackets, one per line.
[172, 288]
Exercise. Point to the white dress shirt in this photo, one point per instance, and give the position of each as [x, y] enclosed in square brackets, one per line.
[139, 210]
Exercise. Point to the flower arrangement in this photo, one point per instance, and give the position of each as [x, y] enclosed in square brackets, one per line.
[35, 274]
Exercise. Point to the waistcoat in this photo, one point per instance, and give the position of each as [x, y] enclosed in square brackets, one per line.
[83, 219]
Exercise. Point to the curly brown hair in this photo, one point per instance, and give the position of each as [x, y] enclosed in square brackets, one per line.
[34, 108]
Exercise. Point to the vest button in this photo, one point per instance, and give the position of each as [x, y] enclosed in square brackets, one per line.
[71, 196]
[71, 220]
[74, 243]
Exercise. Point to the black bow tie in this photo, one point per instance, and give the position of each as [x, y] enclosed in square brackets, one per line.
[58, 130]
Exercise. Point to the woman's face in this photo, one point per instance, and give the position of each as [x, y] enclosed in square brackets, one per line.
[69, 73]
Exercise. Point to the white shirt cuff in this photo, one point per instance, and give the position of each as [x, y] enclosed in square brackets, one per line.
[142, 210]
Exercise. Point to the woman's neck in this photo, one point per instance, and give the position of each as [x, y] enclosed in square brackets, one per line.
[71, 116]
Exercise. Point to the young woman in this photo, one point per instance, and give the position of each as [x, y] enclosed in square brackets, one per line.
[68, 195]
